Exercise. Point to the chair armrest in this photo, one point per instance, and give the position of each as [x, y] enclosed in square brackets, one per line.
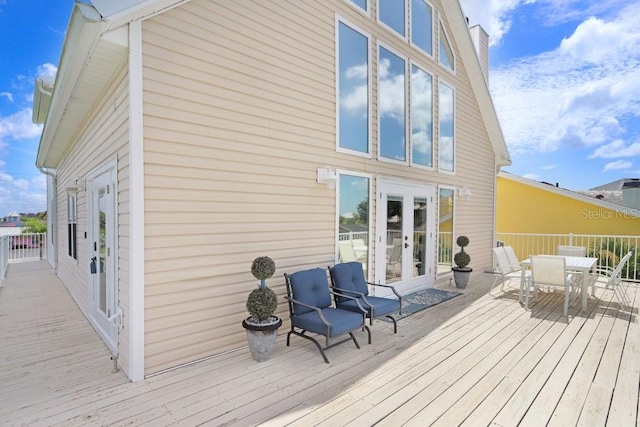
[318, 310]
[348, 292]
[603, 271]
[364, 311]
[393, 288]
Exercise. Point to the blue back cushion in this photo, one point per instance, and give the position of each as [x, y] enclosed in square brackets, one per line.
[310, 287]
[349, 276]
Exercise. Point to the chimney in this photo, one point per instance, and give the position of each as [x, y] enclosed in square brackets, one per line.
[480, 40]
[631, 194]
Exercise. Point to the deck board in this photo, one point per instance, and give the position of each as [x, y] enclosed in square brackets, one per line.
[477, 359]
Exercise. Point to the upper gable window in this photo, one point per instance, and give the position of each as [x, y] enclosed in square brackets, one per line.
[392, 14]
[422, 25]
[446, 122]
[446, 57]
[362, 4]
[353, 90]
[392, 105]
[421, 117]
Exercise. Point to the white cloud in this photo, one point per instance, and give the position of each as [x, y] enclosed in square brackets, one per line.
[616, 149]
[7, 95]
[571, 97]
[18, 126]
[617, 165]
[47, 70]
[493, 15]
[532, 176]
[549, 167]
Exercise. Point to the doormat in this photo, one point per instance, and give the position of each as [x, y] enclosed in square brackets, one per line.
[418, 301]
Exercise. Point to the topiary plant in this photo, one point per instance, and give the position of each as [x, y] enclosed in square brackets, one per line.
[462, 258]
[262, 302]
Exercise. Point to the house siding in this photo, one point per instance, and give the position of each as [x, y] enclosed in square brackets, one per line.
[239, 111]
[104, 137]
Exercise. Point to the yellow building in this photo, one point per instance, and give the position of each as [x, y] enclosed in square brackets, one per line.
[527, 206]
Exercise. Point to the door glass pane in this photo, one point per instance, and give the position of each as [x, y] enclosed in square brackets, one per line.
[419, 236]
[353, 89]
[102, 252]
[391, 105]
[445, 230]
[353, 234]
[394, 238]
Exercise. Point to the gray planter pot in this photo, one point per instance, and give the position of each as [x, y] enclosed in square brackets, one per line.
[461, 276]
[261, 338]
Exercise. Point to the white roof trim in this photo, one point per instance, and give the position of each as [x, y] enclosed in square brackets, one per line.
[469, 58]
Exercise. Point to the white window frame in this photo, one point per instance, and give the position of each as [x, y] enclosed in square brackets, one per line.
[366, 11]
[407, 151]
[448, 40]
[455, 132]
[434, 37]
[72, 224]
[404, 37]
[433, 118]
[370, 240]
[340, 20]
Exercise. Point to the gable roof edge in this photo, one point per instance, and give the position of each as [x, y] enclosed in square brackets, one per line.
[469, 57]
[572, 194]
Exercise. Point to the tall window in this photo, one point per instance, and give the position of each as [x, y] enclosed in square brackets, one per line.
[422, 25]
[353, 221]
[421, 117]
[392, 105]
[72, 224]
[353, 89]
[446, 57]
[392, 14]
[446, 121]
[445, 230]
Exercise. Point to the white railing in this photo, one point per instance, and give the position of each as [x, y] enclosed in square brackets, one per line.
[609, 249]
[4, 256]
[27, 246]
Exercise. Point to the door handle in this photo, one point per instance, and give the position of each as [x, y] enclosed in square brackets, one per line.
[406, 245]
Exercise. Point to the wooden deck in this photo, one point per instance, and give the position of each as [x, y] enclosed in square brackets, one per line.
[474, 360]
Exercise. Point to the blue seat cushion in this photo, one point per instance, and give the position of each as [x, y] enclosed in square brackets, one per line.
[381, 306]
[341, 321]
[349, 276]
[310, 287]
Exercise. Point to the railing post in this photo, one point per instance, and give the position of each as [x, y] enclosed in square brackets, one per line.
[570, 239]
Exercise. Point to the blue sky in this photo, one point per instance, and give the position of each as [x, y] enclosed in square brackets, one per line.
[564, 78]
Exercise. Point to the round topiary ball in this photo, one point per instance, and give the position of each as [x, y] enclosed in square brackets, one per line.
[263, 267]
[462, 241]
[262, 303]
[462, 259]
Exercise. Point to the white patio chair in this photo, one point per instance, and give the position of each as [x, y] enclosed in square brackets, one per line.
[611, 278]
[505, 269]
[550, 270]
[572, 250]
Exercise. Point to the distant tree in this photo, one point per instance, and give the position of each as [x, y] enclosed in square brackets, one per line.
[362, 216]
[34, 225]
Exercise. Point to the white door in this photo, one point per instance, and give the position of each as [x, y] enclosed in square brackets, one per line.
[405, 235]
[101, 223]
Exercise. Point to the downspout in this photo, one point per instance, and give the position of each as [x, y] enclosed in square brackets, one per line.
[136, 206]
[52, 215]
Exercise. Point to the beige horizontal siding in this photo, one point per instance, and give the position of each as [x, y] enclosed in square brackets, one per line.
[104, 137]
[239, 111]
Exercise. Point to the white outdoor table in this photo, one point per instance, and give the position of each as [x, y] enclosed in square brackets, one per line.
[574, 263]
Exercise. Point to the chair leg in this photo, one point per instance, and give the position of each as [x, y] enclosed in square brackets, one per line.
[368, 333]
[354, 339]
[395, 325]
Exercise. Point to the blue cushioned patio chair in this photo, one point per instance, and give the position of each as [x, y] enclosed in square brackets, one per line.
[347, 280]
[310, 310]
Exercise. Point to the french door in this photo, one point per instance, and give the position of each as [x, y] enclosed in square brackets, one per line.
[101, 223]
[405, 235]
